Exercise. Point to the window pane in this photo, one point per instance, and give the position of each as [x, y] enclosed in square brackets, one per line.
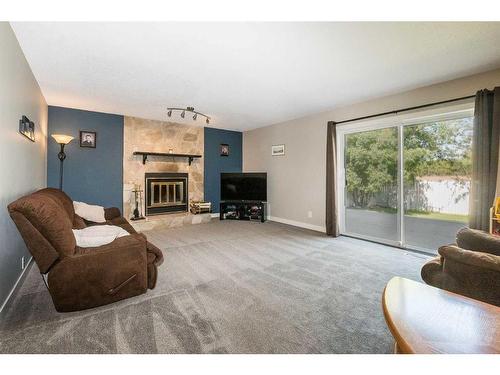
[371, 162]
[437, 172]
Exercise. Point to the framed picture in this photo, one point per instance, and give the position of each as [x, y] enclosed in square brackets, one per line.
[278, 150]
[224, 149]
[88, 138]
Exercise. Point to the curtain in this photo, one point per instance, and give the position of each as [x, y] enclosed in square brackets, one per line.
[485, 143]
[332, 226]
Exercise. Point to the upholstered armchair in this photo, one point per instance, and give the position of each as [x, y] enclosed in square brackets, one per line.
[82, 278]
[471, 267]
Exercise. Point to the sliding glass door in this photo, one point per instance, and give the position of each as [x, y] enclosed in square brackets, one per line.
[437, 172]
[371, 183]
[406, 182]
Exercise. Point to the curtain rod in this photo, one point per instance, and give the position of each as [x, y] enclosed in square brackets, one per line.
[405, 109]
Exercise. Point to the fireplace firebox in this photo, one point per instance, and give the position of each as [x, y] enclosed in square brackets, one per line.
[166, 193]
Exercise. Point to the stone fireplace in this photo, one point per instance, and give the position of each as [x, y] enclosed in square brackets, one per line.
[166, 193]
[162, 136]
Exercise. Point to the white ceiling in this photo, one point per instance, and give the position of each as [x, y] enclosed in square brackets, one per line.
[246, 75]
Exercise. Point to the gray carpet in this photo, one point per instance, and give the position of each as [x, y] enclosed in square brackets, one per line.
[229, 287]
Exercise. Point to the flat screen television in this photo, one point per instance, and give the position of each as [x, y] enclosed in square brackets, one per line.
[243, 187]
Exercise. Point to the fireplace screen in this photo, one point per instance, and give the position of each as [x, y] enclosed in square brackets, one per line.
[166, 192]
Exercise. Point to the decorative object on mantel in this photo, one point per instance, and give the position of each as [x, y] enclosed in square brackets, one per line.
[278, 150]
[145, 155]
[27, 128]
[224, 149]
[138, 203]
[63, 140]
[200, 207]
[88, 138]
[188, 109]
[170, 150]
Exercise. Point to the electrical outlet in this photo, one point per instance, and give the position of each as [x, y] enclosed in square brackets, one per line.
[309, 214]
[22, 263]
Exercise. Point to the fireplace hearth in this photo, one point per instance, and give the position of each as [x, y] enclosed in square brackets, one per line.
[166, 193]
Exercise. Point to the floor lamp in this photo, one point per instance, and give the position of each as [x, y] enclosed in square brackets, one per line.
[63, 140]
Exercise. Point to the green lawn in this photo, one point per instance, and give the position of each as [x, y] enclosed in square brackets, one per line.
[438, 216]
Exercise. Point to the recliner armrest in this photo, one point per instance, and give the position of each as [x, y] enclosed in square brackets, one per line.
[132, 240]
[471, 258]
[470, 273]
[432, 272]
[111, 213]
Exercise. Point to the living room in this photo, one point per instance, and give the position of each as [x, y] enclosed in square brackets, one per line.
[250, 188]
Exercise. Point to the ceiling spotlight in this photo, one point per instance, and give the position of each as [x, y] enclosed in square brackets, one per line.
[183, 111]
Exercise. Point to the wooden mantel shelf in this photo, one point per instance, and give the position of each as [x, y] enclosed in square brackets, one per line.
[145, 155]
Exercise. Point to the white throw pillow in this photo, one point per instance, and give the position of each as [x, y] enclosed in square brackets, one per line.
[89, 212]
[98, 235]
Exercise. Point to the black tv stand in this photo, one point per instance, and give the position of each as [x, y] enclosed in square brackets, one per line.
[243, 210]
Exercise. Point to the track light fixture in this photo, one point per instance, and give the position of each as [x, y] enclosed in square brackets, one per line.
[188, 109]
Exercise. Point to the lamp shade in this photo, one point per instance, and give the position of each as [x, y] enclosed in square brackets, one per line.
[62, 139]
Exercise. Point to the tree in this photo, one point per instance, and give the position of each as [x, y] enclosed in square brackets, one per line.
[430, 149]
[371, 163]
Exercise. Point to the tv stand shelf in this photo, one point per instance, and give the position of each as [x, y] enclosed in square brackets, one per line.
[243, 210]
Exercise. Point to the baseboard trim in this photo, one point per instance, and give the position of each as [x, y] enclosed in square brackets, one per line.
[15, 285]
[299, 224]
[214, 214]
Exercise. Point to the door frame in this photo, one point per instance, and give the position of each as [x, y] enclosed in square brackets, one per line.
[399, 121]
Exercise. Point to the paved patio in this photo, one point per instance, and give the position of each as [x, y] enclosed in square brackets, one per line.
[420, 232]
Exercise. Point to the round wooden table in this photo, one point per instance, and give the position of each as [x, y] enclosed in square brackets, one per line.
[424, 319]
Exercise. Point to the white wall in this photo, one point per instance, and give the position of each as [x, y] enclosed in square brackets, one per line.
[23, 164]
[296, 181]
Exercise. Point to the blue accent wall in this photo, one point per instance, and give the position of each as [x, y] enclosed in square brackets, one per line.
[215, 163]
[91, 175]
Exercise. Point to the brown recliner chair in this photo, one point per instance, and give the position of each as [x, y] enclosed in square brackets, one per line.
[471, 267]
[82, 278]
